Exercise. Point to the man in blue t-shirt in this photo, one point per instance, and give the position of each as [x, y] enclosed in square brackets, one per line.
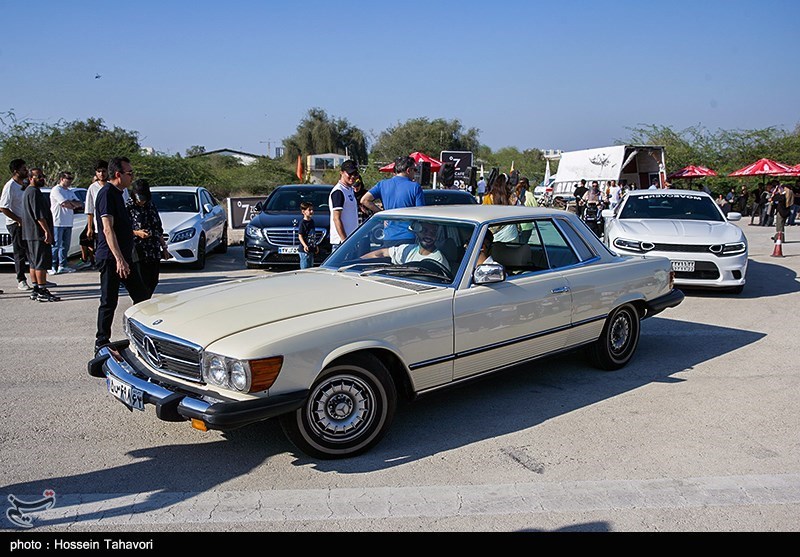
[396, 192]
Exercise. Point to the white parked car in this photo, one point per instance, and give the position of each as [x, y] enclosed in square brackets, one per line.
[330, 350]
[78, 224]
[687, 227]
[194, 222]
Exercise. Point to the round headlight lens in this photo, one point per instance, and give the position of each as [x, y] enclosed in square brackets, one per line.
[238, 376]
[217, 371]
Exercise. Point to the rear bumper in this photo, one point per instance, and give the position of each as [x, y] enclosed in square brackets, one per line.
[669, 300]
[175, 403]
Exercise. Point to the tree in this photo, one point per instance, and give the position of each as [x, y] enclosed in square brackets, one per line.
[530, 162]
[317, 133]
[74, 146]
[195, 150]
[429, 137]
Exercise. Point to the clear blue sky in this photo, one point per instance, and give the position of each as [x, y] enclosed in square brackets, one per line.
[564, 74]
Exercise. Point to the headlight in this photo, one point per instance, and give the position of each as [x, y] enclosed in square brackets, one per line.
[183, 235]
[246, 376]
[254, 232]
[633, 245]
[734, 249]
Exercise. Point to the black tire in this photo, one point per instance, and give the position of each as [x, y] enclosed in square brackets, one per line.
[618, 341]
[349, 409]
[223, 244]
[200, 264]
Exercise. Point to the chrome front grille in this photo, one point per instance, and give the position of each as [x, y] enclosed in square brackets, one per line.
[166, 353]
[288, 236]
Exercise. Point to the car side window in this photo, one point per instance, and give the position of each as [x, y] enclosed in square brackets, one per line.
[577, 241]
[559, 252]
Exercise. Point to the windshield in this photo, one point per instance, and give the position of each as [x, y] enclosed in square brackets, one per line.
[175, 202]
[683, 206]
[424, 249]
[289, 199]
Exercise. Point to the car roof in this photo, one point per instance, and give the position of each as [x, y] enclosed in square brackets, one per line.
[478, 213]
[191, 189]
[305, 186]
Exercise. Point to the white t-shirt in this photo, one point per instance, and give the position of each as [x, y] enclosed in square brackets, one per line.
[91, 196]
[614, 195]
[62, 216]
[11, 198]
[408, 253]
[343, 199]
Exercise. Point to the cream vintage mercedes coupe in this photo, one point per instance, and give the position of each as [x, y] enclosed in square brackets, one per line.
[402, 308]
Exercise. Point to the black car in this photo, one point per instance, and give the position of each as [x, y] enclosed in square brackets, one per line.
[448, 197]
[270, 238]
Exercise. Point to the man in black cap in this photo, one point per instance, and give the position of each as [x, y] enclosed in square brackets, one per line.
[343, 205]
[396, 192]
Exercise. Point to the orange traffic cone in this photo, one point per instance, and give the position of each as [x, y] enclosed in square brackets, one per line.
[778, 251]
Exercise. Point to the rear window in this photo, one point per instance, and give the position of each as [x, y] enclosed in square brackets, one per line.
[289, 199]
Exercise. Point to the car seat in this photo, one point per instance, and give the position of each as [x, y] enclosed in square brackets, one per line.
[516, 258]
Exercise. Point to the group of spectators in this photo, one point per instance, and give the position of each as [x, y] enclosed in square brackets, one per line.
[123, 239]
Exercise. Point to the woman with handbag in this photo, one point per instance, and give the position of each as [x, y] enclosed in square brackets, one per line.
[149, 247]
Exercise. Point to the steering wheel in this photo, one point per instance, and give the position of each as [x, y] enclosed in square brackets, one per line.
[434, 266]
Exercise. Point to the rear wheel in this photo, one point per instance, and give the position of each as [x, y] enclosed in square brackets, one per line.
[348, 410]
[223, 244]
[618, 341]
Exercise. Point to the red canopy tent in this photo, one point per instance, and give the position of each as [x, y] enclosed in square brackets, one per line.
[692, 171]
[436, 164]
[762, 167]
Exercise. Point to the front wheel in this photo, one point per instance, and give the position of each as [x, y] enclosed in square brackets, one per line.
[618, 341]
[348, 410]
[200, 263]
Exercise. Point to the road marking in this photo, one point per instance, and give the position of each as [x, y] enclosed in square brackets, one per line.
[408, 502]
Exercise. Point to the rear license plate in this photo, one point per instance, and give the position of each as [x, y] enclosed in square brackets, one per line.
[130, 396]
[683, 266]
[288, 249]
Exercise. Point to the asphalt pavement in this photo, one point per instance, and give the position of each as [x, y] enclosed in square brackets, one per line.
[699, 433]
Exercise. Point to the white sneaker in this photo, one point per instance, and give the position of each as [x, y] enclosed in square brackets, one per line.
[23, 285]
[66, 270]
[52, 272]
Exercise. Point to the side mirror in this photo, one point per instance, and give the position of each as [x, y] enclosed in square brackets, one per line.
[258, 207]
[607, 213]
[489, 273]
[734, 216]
[208, 207]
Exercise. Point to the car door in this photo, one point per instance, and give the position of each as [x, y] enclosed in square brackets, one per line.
[213, 221]
[527, 315]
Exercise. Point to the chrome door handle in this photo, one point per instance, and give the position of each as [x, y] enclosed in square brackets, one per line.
[560, 290]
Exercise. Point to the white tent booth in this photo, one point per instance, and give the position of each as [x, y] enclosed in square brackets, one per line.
[638, 166]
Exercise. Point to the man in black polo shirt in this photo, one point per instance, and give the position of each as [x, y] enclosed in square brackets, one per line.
[114, 248]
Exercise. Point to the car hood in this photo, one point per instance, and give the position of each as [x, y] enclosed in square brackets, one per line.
[285, 219]
[670, 231]
[177, 221]
[209, 313]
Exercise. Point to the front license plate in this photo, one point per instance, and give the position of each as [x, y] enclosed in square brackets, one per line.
[130, 396]
[683, 266]
[288, 249]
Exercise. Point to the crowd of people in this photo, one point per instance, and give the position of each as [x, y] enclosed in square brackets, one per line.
[123, 238]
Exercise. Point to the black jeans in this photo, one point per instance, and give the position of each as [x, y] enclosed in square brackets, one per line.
[109, 296]
[20, 250]
[149, 271]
